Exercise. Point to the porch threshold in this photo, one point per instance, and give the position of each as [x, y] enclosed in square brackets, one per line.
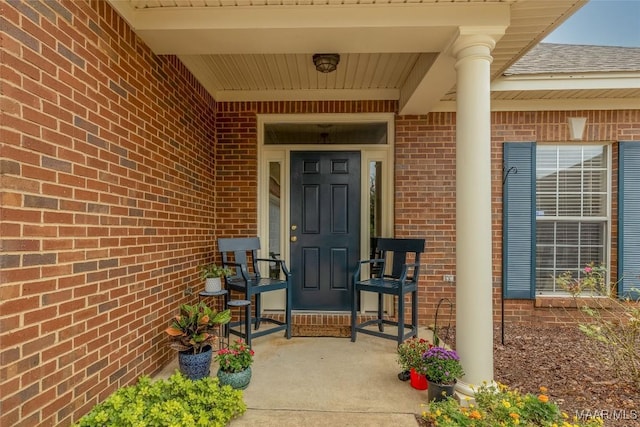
[319, 323]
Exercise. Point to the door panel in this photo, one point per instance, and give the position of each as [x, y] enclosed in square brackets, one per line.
[325, 228]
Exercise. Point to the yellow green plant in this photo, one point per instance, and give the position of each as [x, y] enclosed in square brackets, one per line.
[497, 405]
[177, 401]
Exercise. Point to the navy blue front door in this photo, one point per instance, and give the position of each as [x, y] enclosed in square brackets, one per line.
[325, 227]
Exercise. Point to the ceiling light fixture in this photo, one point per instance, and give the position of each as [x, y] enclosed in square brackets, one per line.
[326, 62]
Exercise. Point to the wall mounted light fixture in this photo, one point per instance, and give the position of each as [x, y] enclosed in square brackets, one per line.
[326, 62]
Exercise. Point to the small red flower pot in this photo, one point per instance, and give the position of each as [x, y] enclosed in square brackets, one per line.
[418, 381]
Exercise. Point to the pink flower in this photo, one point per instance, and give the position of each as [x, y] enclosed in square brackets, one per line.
[588, 270]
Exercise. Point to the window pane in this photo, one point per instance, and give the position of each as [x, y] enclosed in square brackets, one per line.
[546, 204]
[545, 282]
[595, 180]
[274, 208]
[569, 156]
[571, 181]
[545, 259]
[594, 156]
[594, 205]
[571, 189]
[325, 133]
[566, 258]
[545, 231]
[375, 199]
[566, 233]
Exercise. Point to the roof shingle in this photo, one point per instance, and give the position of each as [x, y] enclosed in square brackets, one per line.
[550, 58]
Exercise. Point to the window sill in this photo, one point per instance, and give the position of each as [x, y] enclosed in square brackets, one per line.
[544, 301]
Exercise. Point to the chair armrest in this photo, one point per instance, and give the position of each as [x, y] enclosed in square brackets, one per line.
[281, 262]
[243, 270]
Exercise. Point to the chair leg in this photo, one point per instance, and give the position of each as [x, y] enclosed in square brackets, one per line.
[258, 311]
[380, 310]
[354, 312]
[400, 316]
[414, 313]
[247, 323]
[287, 312]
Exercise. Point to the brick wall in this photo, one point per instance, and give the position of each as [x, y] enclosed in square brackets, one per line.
[551, 126]
[111, 199]
[425, 204]
[108, 206]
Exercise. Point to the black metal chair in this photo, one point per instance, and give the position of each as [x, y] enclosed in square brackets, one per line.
[389, 275]
[240, 254]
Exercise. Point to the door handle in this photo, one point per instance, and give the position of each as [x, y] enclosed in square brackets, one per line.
[294, 238]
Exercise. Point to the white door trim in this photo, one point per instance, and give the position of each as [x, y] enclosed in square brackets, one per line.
[281, 153]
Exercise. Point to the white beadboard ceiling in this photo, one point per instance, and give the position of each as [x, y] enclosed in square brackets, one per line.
[391, 49]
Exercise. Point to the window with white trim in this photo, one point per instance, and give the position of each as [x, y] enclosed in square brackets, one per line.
[572, 212]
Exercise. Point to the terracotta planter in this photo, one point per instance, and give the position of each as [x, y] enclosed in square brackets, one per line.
[418, 381]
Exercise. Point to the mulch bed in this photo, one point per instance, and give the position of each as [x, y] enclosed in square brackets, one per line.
[566, 362]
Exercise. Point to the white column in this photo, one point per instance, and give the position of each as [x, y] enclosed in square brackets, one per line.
[474, 306]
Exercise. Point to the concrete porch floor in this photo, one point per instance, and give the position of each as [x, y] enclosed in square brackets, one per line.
[319, 381]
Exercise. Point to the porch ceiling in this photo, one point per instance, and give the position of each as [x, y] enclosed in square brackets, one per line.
[254, 50]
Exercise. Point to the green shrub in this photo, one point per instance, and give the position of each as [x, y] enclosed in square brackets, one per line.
[499, 406]
[176, 402]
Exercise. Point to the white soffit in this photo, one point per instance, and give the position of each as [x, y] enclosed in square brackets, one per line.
[248, 50]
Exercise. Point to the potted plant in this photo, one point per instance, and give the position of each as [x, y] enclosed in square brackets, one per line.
[212, 274]
[442, 368]
[410, 359]
[235, 364]
[192, 332]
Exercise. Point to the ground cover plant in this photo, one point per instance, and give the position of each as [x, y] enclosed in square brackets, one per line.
[567, 363]
[177, 402]
[497, 405]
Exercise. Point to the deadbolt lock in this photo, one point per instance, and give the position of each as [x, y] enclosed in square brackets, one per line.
[294, 227]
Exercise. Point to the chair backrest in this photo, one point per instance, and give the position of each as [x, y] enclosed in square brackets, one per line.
[397, 251]
[240, 248]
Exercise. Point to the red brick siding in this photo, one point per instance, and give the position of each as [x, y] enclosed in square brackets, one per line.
[551, 126]
[425, 200]
[108, 204]
[113, 193]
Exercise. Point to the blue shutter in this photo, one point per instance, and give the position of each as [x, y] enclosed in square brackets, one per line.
[629, 220]
[519, 222]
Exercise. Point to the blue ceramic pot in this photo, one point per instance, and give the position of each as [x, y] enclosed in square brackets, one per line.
[195, 366]
[238, 380]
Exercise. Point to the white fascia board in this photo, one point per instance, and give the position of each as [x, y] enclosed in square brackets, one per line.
[319, 16]
[551, 105]
[567, 82]
[307, 95]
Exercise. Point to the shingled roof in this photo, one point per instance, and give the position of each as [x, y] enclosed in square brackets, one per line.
[550, 58]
